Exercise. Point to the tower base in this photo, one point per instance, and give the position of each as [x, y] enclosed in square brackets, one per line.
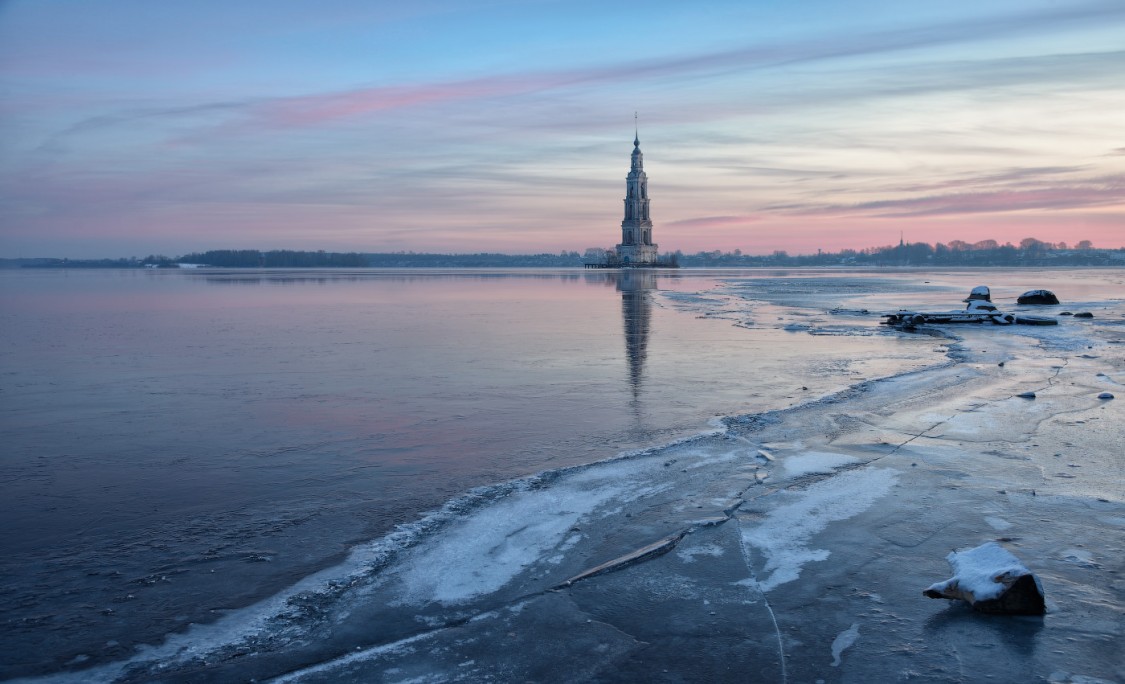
[637, 255]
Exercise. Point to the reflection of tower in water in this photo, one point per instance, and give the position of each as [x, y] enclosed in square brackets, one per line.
[636, 310]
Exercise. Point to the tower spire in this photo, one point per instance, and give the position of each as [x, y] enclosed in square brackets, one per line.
[636, 132]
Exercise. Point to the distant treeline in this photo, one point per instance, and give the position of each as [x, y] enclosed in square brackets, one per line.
[251, 258]
[70, 263]
[288, 259]
[482, 260]
[281, 258]
[219, 258]
[1029, 252]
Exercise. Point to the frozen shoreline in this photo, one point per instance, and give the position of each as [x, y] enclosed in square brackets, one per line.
[801, 563]
[790, 545]
[765, 583]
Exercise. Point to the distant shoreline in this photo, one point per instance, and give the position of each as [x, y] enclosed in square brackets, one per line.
[919, 255]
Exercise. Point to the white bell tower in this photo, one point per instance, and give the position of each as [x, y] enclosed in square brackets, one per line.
[637, 247]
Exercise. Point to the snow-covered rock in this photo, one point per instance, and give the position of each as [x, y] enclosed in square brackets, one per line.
[1038, 297]
[981, 306]
[991, 580]
[980, 292]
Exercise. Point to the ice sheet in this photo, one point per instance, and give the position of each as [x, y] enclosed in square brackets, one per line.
[479, 542]
[484, 552]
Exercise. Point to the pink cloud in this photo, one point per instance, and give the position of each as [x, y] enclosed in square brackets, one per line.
[713, 221]
[1109, 191]
[1046, 175]
[311, 110]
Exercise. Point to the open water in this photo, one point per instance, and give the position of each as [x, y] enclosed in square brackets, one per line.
[180, 445]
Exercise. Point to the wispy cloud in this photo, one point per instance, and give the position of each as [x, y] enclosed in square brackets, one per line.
[1102, 192]
[318, 109]
[712, 221]
[1039, 176]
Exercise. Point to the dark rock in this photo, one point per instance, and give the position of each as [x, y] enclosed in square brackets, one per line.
[991, 580]
[1043, 297]
[1023, 597]
[1026, 395]
[1083, 314]
[1065, 313]
[1105, 395]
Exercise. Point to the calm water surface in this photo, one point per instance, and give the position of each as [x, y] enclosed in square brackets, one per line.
[180, 444]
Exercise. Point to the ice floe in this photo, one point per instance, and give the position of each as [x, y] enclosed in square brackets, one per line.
[845, 639]
[482, 552]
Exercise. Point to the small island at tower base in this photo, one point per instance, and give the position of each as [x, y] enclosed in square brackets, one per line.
[636, 249]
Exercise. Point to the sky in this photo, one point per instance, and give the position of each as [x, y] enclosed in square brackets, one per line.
[132, 127]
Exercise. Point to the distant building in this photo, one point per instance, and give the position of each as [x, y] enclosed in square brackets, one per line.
[636, 248]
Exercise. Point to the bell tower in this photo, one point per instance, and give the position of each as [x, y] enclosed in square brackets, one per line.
[636, 246]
